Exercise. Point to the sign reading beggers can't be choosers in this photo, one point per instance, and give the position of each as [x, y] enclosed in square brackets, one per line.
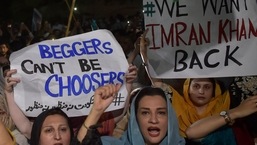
[65, 73]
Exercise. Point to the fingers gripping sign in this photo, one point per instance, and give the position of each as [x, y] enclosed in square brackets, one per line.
[10, 81]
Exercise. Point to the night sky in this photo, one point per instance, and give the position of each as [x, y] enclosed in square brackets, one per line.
[21, 10]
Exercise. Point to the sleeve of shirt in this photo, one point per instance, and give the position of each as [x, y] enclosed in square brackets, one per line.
[92, 138]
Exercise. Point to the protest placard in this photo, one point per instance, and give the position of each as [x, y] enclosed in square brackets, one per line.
[201, 38]
[65, 73]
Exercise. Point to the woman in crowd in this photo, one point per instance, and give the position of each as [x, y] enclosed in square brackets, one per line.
[152, 119]
[21, 121]
[200, 98]
[51, 127]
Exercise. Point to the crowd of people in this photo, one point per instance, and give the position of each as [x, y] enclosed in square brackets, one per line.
[191, 111]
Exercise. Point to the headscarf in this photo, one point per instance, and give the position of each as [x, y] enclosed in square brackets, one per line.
[186, 111]
[37, 125]
[133, 134]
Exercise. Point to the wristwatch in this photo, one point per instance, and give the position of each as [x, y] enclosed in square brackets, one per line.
[227, 118]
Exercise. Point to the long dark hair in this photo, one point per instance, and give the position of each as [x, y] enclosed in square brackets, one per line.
[37, 125]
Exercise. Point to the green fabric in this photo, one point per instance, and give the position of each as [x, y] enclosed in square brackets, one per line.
[223, 136]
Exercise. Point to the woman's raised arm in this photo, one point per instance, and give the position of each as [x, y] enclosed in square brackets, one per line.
[21, 121]
[103, 97]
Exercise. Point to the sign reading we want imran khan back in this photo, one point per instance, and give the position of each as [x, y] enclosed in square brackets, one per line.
[201, 38]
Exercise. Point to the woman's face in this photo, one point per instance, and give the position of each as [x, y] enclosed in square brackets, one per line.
[152, 117]
[55, 131]
[200, 92]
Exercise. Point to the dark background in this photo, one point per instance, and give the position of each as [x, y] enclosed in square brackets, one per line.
[57, 10]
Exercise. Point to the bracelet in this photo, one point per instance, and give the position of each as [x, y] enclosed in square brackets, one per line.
[92, 127]
[144, 64]
[86, 126]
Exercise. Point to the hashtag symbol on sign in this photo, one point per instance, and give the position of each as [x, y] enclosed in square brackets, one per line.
[119, 99]
[149, 9]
